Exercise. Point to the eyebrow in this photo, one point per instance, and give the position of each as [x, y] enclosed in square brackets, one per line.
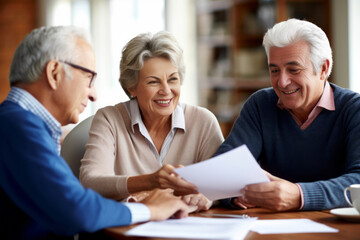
[292, 63]
[172, 74]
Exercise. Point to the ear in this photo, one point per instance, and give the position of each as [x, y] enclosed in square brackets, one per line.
[324, 70]
[53, 74]
[132, 92]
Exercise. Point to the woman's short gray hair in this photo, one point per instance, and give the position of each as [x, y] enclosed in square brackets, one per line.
[39, 47]
[293, 30]
[143, 47]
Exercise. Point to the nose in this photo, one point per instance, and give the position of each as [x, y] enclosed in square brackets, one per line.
[284, 80]
[164, 89]
[92, 94]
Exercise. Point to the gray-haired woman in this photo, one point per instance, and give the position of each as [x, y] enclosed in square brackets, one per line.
[134, 146]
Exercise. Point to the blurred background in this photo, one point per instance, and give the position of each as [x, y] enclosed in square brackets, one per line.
[225, 62]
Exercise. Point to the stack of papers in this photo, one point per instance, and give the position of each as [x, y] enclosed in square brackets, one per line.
[195, 228]
[225, 228]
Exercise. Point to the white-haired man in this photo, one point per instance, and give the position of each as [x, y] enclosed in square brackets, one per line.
[304, 130]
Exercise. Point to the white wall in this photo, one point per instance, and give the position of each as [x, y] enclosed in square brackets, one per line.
[354, 44]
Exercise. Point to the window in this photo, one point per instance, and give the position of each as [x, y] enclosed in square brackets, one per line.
[111, 23]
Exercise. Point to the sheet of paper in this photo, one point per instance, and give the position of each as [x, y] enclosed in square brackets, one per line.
[195, 228]
[290, 226]
[225, 175]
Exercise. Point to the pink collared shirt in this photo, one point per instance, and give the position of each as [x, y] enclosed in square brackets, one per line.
[326, 101]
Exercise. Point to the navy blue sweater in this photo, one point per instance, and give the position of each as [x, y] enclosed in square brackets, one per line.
[39, 195]
[324, 158]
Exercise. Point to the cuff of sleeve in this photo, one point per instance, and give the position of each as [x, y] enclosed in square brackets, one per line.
[139, 212]
[301, 196]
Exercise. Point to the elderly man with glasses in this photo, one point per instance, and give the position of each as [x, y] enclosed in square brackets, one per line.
[51, 80]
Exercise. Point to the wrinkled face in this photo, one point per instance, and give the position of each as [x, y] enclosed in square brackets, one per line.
[158, 88]
[293, 78]
[76, 92]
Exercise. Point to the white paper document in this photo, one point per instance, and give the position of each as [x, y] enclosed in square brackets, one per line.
[225, 175]
[195, 228]
[290, 226]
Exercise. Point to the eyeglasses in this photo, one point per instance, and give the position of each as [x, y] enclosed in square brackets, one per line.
[93, 74]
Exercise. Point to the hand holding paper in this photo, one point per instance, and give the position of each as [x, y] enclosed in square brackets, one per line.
[225, 175]
[278, 195]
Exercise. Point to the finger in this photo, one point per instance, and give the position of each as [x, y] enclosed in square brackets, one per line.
[194, 201]
[186, 199]
[203, 204]
[180, 185]
[271, 177]
[258, 188]
[181, 214]
[168, 169]
[240, 202]
[192, 208]
[270, 200]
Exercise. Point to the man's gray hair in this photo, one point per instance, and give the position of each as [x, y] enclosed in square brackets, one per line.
[293, 30]
[42, 45]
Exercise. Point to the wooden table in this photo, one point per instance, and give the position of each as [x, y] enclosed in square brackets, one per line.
[347, 229]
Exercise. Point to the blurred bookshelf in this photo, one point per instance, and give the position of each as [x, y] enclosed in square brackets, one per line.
[232, 63]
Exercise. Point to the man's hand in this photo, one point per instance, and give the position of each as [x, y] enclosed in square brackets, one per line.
[197, 202]
[163, 205]
[278, 195]
[165, 177]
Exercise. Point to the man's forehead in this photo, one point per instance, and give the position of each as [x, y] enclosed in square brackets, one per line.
[291, 55]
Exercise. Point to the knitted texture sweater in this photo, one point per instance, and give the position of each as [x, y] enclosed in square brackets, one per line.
[324, 158]
[39, 195]
[114, 152]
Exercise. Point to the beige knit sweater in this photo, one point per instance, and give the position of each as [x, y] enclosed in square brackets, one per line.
[114, 152]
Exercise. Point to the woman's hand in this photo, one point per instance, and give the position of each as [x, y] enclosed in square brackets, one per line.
[165, 177]
[197, 202]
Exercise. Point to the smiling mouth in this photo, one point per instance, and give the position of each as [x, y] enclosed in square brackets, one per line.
[163, 101]
[292, 91]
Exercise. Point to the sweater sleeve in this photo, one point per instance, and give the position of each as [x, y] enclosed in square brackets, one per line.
[97, 166]
[328, 193]
[40, 182]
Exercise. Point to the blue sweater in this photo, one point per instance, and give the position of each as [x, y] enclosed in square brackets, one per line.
[39, 195]
[324, 158]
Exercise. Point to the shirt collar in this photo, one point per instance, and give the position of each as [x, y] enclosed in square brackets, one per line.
[326, 100]
[177, 118]
[29, 103]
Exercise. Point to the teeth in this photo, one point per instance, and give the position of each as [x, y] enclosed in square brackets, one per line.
[289, 92]
[164, 102]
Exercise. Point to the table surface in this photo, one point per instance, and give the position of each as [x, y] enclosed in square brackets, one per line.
[347, 229]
